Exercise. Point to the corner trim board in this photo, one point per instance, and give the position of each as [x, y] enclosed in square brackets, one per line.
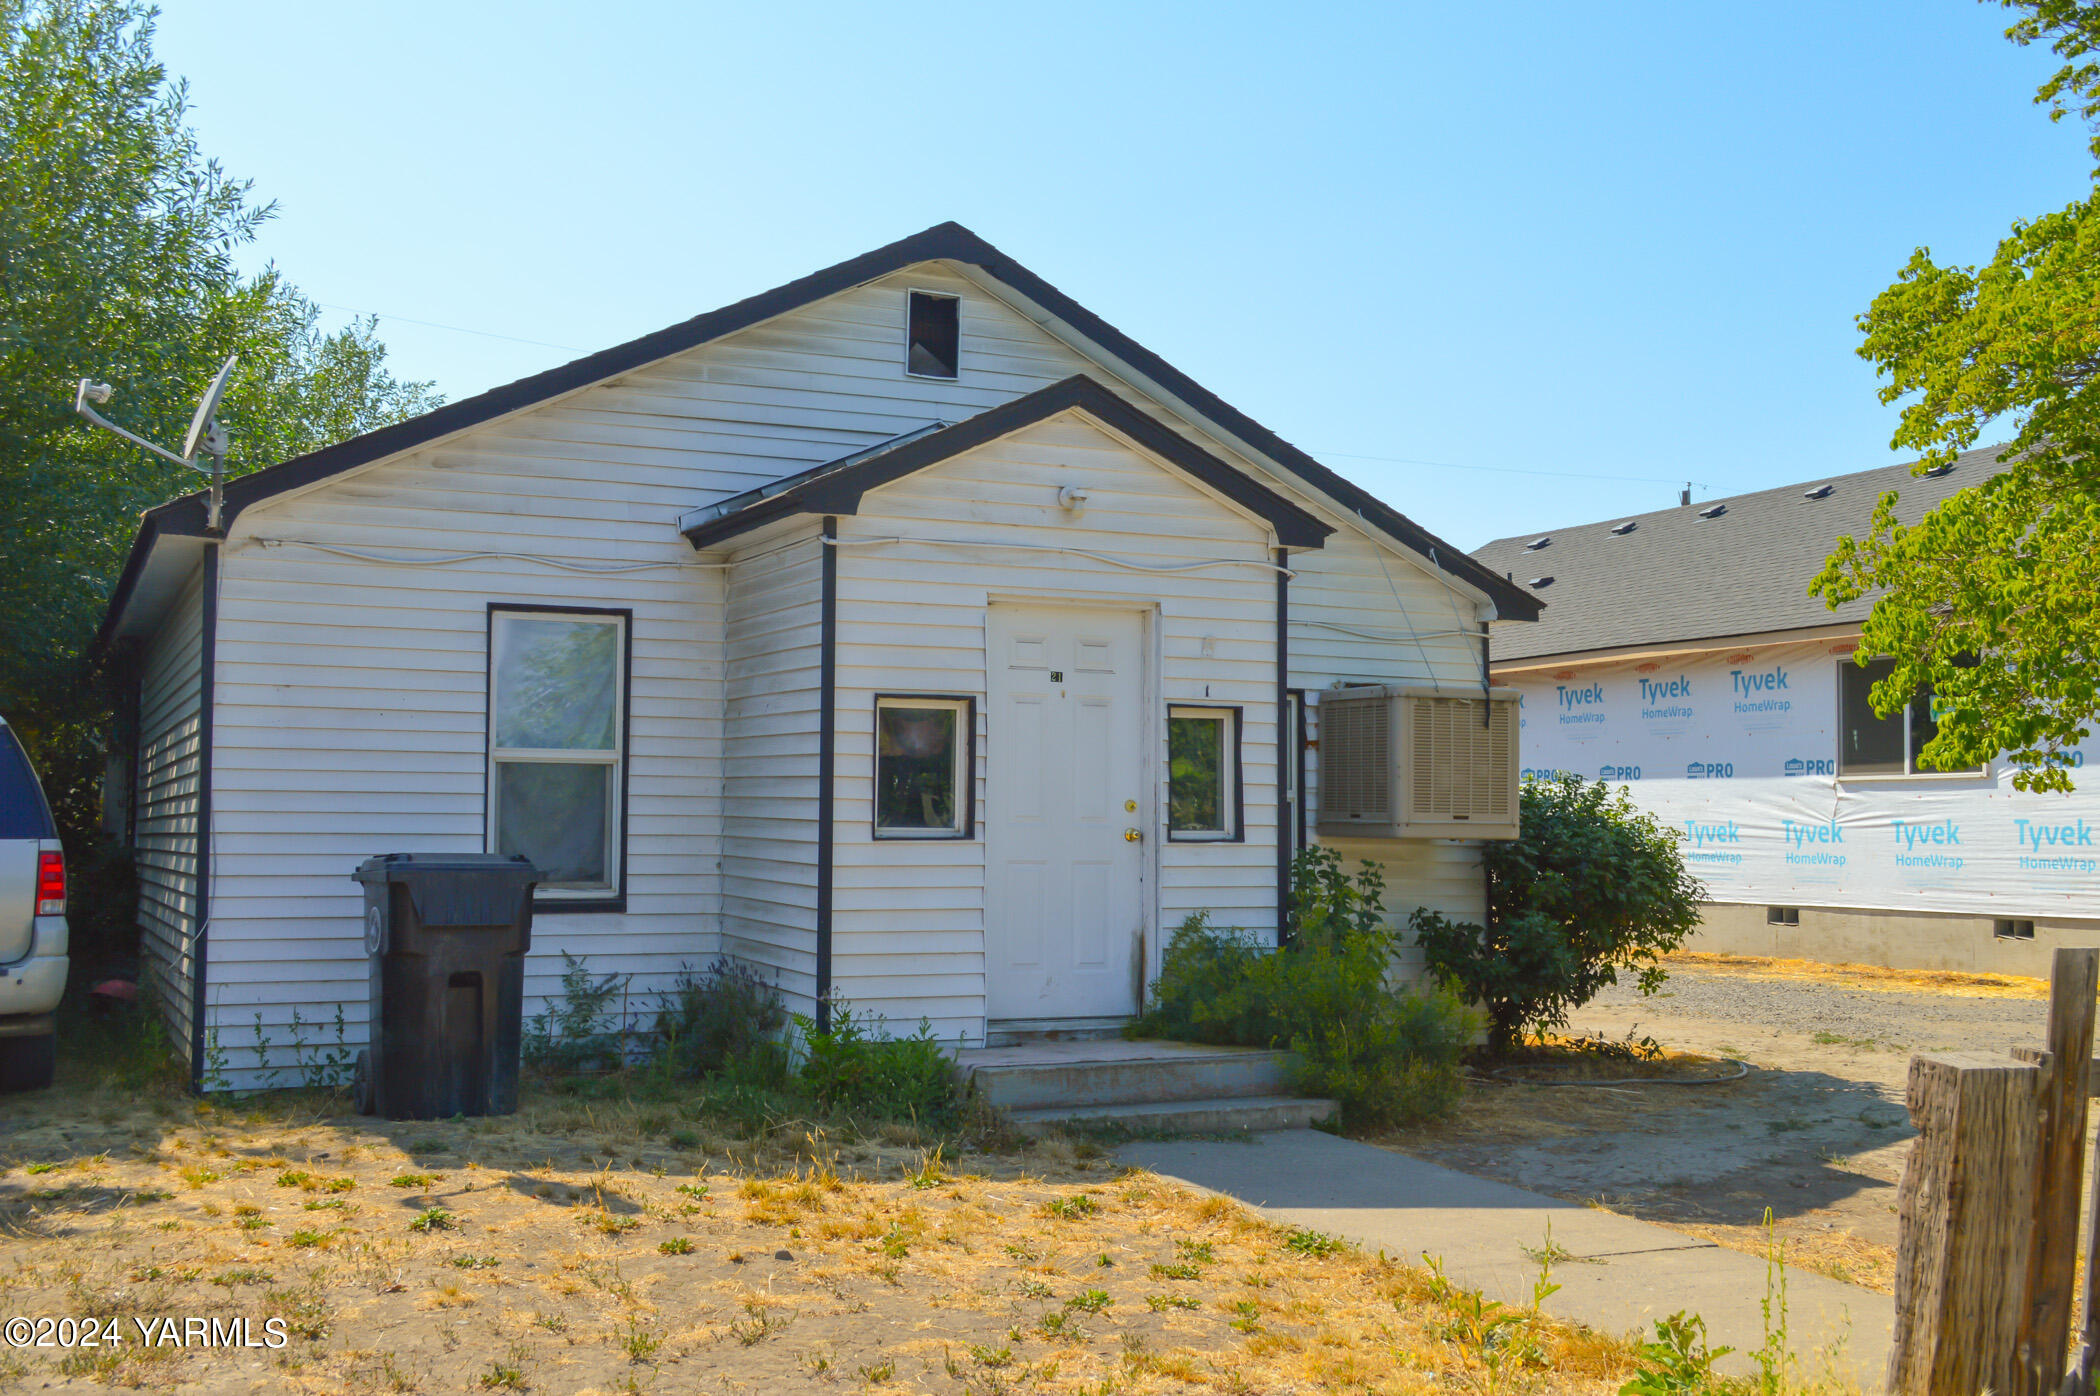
[827, 752]
[1289, 793]
[200, 929]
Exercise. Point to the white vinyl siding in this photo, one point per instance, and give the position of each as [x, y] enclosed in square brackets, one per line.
[351, 715]
[769, 772]
[909, 917]
[165, 804]
[1364, 614]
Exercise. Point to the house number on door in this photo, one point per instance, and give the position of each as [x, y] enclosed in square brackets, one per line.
[1057, 676]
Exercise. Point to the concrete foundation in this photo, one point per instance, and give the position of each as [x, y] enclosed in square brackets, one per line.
[1896, 939]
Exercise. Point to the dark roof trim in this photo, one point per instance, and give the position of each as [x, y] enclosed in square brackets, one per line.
[944, 242]
[837, 488]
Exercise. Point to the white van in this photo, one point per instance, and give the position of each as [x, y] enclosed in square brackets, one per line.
[33, 928]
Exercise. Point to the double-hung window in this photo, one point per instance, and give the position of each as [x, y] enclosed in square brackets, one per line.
[557, 750]
[1871, 745]
[1203, 773]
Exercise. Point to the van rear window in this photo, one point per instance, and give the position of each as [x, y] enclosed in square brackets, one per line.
[23, 813]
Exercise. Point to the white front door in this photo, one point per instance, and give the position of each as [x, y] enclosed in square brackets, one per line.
[1065, 778]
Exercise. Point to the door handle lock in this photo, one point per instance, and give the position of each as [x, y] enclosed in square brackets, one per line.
[1133, 836]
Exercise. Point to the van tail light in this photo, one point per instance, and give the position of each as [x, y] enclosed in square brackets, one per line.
[50, 884]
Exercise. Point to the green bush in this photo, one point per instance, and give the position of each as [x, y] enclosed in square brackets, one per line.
[1592, 887]
[727, 1014]
[853, 1069]
[1389, 1055]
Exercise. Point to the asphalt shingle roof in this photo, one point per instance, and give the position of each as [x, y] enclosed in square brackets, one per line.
[1680, 577]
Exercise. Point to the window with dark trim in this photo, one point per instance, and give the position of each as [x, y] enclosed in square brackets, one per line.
[1203, 773]
[933, 335]
[557, 739]
[1871, 745]
[925, 778]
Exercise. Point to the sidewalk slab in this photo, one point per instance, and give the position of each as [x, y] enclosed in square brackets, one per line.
[1629, 1274]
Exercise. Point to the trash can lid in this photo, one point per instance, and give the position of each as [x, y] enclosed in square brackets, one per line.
[401, 867]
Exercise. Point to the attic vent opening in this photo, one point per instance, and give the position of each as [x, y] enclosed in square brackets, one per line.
[1820, 492]
[1713, 511]
[933, 338]
[1537, 582]
[1535, 544]
[1621, 530]
[1938, 470]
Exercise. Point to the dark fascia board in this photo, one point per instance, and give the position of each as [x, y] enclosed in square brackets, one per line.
[949, 242]
[839, 491]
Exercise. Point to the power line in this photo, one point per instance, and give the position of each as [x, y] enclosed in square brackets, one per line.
[1342, 455]
[456, 329]
[1515, 470]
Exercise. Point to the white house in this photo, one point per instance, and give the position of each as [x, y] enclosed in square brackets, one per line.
[1683, 657]
[845, 631]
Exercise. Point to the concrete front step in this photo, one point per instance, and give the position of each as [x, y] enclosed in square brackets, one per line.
[1227, 1115]
[1085, 1075]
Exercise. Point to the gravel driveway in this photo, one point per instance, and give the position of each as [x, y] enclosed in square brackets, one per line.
[1817, 1132]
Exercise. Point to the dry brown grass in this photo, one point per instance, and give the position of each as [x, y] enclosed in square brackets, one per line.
[796, 1259]
[1874, 977]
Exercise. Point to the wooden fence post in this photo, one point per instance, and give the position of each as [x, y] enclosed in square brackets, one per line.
[2059, 1162]
[1964, 1210]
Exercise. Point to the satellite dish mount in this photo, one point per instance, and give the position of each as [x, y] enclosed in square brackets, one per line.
[206, 438]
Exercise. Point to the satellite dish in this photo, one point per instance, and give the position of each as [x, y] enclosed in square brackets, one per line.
[201, 423]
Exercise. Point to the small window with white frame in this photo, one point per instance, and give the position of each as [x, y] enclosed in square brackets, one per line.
[1872, 745]
[557, 727]
[924, 781]
[1203, 773]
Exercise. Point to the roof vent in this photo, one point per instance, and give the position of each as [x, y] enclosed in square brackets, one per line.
[1713, 511]
[1535, 544]
[1621, 530]
[1939, 470]
[1820, 492]
[1537, 582]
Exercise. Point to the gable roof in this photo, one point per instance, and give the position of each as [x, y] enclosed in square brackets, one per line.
[1680, 577]
[949, 242]
[837, 486]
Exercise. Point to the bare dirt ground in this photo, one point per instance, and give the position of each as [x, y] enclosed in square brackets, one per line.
[1817, 1131]
[594, 1246]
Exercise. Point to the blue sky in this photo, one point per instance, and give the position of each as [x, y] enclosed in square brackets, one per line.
[1588, 252]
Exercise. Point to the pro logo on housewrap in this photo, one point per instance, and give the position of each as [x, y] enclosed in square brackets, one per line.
[1710, 770]
[1809, 766]
[1618, 773]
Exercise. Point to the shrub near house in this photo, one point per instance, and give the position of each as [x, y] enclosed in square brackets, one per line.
[1592, 887]
[1389, 1055]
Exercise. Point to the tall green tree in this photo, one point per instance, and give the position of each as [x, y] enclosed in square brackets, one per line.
[1993, 598]
[119, 241]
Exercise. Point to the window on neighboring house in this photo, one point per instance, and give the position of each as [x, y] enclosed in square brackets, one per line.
[933, 340]
[1202, 773]
[1869, 745]
[557, 724]
[923, 777]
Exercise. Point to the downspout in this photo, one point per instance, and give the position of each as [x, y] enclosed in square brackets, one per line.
[827, 715]
[207, 646]
[1286, 797]
[1487, 717]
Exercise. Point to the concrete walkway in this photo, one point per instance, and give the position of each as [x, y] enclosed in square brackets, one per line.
[1630, 1272]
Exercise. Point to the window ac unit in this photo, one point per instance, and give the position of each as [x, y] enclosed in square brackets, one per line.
[1410, 763]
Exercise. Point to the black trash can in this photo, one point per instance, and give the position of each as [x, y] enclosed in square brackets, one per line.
[446, 934]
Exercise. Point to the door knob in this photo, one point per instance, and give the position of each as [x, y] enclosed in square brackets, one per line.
[1132, 836]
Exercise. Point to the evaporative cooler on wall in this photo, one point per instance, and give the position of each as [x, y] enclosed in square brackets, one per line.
[1411, 763]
